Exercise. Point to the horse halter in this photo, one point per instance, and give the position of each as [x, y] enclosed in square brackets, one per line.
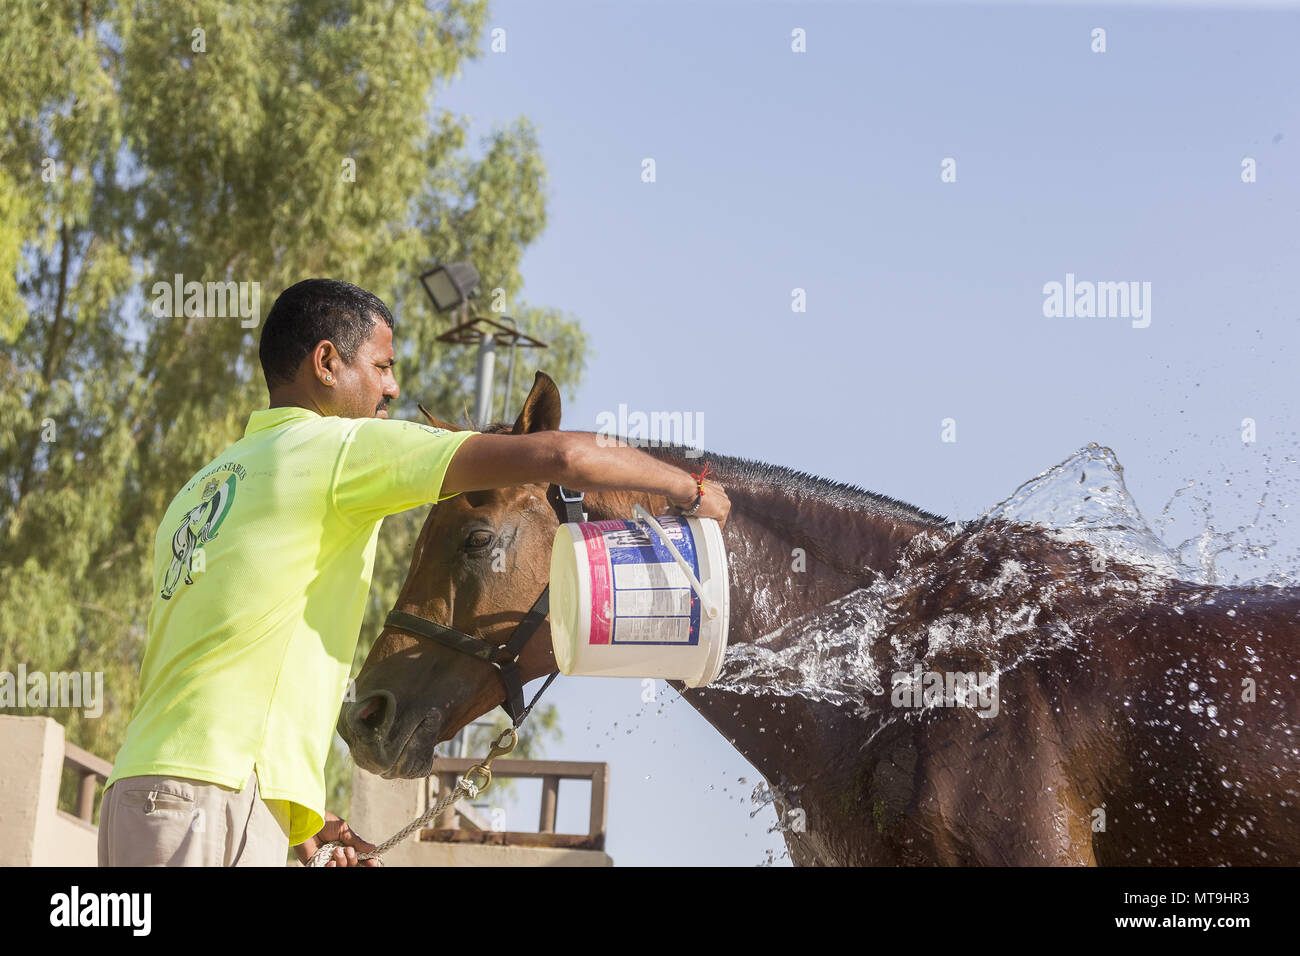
[504, 657]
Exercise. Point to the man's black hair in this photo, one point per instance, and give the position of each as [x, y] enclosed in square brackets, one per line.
[312, 310]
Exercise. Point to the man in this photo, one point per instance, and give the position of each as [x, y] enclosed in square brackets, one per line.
[262, 568]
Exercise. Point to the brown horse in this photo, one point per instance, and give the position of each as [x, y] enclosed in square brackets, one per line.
[1138, 719]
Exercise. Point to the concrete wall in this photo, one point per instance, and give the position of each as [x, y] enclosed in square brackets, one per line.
[33, 831]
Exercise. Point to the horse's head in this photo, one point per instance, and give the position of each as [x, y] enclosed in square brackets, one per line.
[481, 561]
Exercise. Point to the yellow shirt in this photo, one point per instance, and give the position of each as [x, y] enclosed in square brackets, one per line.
[262, 567]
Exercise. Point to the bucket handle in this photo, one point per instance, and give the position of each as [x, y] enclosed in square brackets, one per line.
[710, 609]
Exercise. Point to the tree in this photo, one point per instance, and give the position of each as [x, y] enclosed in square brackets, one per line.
[258, 143]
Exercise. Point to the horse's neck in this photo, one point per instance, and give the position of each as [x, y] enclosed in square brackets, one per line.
[790, 552]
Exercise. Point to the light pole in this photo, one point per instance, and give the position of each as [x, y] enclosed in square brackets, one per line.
[454, 285]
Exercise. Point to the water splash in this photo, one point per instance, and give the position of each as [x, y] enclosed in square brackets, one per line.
[831, 662]
[854, 649]
[1084, 498]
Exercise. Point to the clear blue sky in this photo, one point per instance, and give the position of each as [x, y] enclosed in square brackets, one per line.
[821, 171]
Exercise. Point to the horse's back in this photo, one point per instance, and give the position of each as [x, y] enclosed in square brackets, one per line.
[1205, 705]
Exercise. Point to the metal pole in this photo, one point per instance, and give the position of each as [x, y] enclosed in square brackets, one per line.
[510, 374]
[483, 382]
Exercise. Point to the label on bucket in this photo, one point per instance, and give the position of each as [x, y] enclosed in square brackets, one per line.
[639, 594]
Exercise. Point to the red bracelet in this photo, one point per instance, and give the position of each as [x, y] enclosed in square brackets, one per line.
[699, 494]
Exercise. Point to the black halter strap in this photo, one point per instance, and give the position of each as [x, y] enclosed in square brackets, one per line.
[504, 657]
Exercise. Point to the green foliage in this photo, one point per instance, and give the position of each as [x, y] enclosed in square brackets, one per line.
[214, 141]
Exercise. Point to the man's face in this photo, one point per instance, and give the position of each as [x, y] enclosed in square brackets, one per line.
[364, 388]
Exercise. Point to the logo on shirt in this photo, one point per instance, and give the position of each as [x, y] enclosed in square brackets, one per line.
[201, 523]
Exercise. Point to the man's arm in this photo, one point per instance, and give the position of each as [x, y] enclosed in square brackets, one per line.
[577, 460]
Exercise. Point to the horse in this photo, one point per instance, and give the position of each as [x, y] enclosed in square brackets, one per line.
[1140, 719]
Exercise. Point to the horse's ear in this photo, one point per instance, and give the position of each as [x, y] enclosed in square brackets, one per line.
[541, 411]
[438, 422]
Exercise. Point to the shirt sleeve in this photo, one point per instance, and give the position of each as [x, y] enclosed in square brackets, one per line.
[387, 466]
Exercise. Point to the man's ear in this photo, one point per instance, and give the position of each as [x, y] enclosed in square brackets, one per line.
[541, 411]
[438, 422]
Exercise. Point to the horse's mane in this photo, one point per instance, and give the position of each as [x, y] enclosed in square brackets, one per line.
[839, 494]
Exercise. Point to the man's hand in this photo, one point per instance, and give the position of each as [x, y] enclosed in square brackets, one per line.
[336, 830]
[715, 503]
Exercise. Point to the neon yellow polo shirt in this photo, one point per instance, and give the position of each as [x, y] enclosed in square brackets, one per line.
[261, 571]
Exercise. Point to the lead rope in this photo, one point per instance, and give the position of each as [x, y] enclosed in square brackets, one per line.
[464, 787]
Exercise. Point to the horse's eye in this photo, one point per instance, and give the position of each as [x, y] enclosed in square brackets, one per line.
[478, 540]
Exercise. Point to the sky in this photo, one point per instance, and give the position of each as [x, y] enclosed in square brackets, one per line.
[823, 171]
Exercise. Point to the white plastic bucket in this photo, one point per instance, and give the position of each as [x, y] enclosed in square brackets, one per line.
[622, 606]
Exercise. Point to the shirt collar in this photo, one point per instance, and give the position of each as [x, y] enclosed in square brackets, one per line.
[271, 417]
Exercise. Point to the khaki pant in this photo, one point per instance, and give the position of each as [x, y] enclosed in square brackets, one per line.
[175, 821]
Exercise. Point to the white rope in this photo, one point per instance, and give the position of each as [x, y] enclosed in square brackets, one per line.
[463, 788]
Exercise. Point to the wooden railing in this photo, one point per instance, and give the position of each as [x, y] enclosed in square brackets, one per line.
[93, 772]
[551, 772]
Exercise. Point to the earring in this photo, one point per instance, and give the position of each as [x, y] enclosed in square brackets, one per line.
[329, 379]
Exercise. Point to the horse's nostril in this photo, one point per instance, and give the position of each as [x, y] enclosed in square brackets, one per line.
[371, 714]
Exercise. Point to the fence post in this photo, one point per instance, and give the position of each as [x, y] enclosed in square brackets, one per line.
[550, 797]
[31, 762]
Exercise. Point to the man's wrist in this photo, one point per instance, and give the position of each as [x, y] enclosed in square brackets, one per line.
[685, 491]
[689, 492]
